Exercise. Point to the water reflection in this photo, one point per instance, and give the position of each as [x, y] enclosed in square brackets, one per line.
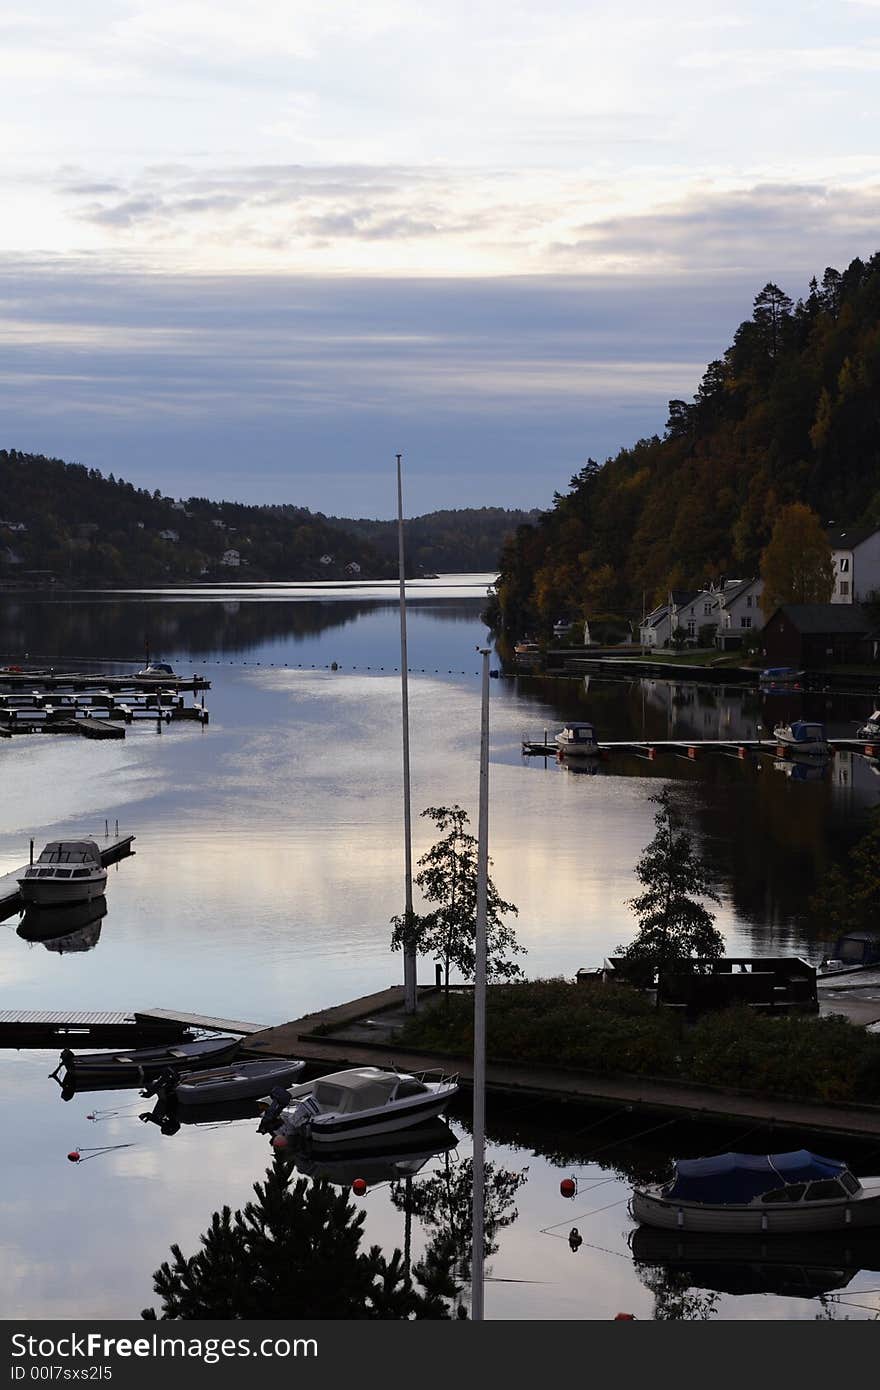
[70, 927]
[804, 1267]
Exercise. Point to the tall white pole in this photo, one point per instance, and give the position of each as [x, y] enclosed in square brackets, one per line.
[410, 993]
[478, 1220]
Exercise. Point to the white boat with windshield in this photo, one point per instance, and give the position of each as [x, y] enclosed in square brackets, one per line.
[871, 726]
[67, 871]
[802, 737]
[577, 739]
[356, 1103]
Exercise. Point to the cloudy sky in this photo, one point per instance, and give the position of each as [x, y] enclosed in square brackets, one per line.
[255, 249]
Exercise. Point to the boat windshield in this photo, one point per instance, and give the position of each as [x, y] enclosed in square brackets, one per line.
[354, 1095]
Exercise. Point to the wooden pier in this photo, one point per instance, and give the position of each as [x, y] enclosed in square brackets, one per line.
[91, 711]
[741, 748]
[113, 848]
[13, 679]
[111, 1028]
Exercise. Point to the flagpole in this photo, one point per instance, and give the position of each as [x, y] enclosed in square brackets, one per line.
[410, 993]
[479, 1120]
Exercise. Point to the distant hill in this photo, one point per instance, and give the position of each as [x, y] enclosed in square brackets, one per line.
[468, 540]
[66, 524]
[791, 412]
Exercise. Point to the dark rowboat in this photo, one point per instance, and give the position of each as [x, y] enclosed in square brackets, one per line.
[215, 1085]
[106, 1069]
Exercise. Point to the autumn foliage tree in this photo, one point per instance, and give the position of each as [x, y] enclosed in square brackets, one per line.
[796, 565]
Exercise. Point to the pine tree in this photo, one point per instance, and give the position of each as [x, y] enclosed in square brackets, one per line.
[673, 927]
[448, 878]
[294, 1252]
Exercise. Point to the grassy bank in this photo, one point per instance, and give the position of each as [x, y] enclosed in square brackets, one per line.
[613, 1029]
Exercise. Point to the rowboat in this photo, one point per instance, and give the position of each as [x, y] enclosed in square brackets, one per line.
[134, 1068]
[237, 1080]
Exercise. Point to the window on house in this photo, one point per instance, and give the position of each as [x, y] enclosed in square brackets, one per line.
[844, 565]
[692, 627]
[707, 609]
[749, 601]
[745, 622]
[844, 588]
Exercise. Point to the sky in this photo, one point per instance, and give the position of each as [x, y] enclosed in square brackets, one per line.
[253, 250]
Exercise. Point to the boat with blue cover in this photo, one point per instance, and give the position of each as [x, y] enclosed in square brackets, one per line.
[760, 1194]
[802, 738]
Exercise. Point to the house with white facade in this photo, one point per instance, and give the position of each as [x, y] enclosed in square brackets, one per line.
[231, 558]
[739, 611]
[654, 629]
[352, 567]
[690, 611]
[169, 535]
[855, 556]
[326, 560]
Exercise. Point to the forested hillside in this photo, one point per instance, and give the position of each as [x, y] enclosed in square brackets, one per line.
[83, 528]
[468, 540]
[791, 412]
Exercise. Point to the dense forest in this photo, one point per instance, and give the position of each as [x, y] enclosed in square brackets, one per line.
[468, 540]
[790, 413]
[62, 523]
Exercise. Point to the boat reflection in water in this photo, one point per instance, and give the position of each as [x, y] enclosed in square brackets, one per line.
[804, 1266]
[71, 927]
[385, 1158]
[171, 1118]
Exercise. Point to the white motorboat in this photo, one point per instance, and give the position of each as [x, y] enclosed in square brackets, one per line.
[871, 727]
[160, 670]
[760, 1194]
[67, 871]
[577, 740]
[803, 739]
[354, 1104]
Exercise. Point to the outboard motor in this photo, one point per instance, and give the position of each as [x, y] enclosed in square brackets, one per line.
[302, 1115]
[279, 1098]
[165, 1081]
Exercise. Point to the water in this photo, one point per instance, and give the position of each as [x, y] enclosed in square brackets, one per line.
[269, 861]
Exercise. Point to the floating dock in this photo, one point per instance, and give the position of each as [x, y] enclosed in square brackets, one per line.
[90, 711]
[11, 679]
[111, 1028]
[113, 848]
[741, 748]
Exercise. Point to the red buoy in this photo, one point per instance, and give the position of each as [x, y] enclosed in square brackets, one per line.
[359, 1187]
[568, 1187]
[74, 1155]
[279, 1142]
[624, 1317]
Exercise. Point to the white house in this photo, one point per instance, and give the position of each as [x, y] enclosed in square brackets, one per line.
[855, 555]
[352, 567]
[654, 630]
[169, 535]
[231, 558]
[215, 521]
[740, 611]
[690, 611]
[326, 560]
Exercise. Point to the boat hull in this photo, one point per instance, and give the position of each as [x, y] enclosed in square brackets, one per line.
[354, 1128]
[47, 892]
[103, 1070]
[577, 750]
[777, 1219]
[216, 1086]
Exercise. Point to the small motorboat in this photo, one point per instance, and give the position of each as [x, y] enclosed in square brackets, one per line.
[239, 1080]
[577, 740]
[871, 727]
[759, 1194]
[67, 871]
[159, 670]
[780, 679]
[802, 738]
[354, 1104]
[134, 1068]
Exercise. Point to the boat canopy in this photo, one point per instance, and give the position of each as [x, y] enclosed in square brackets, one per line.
[350, 1091]
[732, 1179]
[71, 852]
[802, 732]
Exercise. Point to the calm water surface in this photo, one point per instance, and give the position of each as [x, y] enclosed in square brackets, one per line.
[269, 861]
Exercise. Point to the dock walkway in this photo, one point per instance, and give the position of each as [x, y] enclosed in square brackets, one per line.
[345, 1044]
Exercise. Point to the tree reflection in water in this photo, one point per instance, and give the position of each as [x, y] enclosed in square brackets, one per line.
[444, 1205]
[295, 1251]
[675, 1300]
